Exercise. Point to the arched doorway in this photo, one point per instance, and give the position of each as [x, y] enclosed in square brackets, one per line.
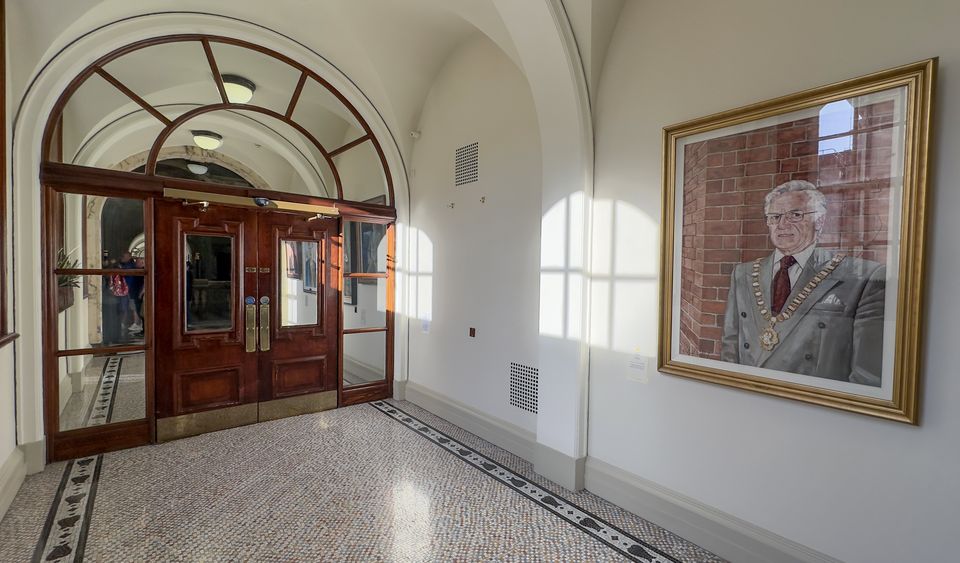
[261, 208]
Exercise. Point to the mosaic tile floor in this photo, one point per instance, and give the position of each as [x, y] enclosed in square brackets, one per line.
[124, 398]
[353, 484]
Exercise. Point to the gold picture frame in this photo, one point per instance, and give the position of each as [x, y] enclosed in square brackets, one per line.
[794, 243]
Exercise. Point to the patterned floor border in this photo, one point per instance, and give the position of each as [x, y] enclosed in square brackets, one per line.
[64, 535]
[626, 544]
[101, 408]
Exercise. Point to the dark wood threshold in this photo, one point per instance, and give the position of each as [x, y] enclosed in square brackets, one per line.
[95, 440]
[8, 338]
[366, 393]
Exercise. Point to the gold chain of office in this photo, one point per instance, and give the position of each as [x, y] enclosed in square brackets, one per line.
[769, 337]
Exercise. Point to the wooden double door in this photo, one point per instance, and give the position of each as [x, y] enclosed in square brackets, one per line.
[247, 315]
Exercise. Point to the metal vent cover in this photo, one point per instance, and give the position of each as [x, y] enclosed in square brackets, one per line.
[524, 387]
[466, 164]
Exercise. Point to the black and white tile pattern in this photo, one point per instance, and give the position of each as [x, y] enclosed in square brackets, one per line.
[349, 484]
[628, 545]
[101, 409]
[65, 532]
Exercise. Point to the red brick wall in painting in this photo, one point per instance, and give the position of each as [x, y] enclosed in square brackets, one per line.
[725, 181]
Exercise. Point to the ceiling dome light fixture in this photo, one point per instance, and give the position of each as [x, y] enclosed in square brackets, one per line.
[207, 140]
[239, 89]
[197, 168]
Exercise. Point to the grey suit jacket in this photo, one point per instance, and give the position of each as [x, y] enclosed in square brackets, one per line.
[837, 333]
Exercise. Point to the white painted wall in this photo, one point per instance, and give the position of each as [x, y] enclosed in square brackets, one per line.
[476, 265]
[854, 487]
[8, 441]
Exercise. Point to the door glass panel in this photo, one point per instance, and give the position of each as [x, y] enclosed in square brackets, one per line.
[97, 311]
[299, 282]
[97, 390]
[365, 303]
[208, 283]
[364, 358]
[366, 246]
[100, 232]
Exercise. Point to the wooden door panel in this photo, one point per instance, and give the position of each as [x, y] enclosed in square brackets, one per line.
[297, 362]
[185, 345]
[207, 389]
[298, 376]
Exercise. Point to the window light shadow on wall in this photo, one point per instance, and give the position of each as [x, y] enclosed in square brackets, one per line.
[623, 277]
[562, 269]
[419, 276]
[624, 293]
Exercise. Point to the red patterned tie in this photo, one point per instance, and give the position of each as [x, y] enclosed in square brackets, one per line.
[781, 284]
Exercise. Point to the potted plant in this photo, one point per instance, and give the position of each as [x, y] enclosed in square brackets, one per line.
[66, 283]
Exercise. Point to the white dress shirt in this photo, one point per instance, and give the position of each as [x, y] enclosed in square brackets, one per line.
[797, 269]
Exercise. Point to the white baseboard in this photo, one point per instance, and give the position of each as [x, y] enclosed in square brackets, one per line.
[716, 531]
[35, 455]
[510, 437]
[400, 390]
[566, 471]
[13, 470]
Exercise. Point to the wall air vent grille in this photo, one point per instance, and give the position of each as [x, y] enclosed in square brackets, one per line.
[524, 387]
[466, 164]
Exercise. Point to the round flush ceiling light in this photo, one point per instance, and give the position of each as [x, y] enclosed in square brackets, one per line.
[197, 168]
[207, 140]
[239, 89]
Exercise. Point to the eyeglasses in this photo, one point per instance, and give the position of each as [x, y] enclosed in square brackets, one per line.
[794, 216]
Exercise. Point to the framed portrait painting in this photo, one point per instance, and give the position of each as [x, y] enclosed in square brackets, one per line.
[794, 236]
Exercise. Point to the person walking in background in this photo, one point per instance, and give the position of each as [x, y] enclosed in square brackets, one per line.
[129, 303]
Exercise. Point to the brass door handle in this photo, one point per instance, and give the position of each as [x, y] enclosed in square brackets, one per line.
[264, 324]
[250, 314]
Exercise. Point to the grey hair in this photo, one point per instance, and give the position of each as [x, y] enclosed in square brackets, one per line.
[817, 198]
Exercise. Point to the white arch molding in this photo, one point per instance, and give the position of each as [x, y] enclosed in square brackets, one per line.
[549, 56]
[31, 117]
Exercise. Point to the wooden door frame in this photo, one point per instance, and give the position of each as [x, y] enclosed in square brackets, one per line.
[113, 436]
[67, 178]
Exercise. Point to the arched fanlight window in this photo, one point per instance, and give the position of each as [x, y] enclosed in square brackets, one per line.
[221, 101]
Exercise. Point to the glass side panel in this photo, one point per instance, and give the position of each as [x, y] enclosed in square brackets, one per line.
[266, 152]
[361, 174]
[98, 390]
[101, 232]
[364, 358]
[172, 77]
[299, 283]
[366, 246]
[208, 283]
[97, 311]
[367, 304]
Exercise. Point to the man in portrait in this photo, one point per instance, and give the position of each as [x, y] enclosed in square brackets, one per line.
[803, 309]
